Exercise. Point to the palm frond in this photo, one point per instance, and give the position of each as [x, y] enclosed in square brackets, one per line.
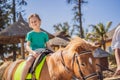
[108, 25]
[101, 28]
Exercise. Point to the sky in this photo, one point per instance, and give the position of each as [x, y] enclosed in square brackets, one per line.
[53, 12]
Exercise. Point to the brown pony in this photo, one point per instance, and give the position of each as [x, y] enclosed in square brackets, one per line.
[73, 61]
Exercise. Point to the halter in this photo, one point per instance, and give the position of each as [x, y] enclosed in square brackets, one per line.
[75, 56]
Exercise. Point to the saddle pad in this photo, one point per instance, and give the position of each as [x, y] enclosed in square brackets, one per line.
[19, 69]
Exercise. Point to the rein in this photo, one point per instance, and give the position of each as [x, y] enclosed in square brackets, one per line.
[75, 56]
[66, 68]
[80, 72]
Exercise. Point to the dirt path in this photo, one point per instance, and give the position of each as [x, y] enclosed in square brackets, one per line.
[108, 75]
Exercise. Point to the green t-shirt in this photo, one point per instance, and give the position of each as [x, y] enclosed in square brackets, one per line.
[37, 39]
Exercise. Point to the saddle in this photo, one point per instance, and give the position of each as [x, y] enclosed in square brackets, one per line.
[43, 53]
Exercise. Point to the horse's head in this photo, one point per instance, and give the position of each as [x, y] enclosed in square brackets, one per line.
[84, 66]
[83, 62]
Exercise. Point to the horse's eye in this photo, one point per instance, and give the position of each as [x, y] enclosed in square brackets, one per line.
[83, 64]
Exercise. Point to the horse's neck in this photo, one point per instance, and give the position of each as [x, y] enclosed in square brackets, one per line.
[62, 55]
[56, 65]
[68, 58]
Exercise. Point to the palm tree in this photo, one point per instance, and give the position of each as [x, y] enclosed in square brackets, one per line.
[78, 14]
[99, 33]
[62, 28]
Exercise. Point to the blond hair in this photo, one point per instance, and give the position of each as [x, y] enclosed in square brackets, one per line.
[34, 15]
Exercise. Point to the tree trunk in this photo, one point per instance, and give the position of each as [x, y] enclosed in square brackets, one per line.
[14, 55]
[14, 11]
[104, 45]
[22, 48]
[80, 20]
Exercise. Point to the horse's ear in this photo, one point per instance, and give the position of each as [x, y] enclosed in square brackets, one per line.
[95, 47]
[89, 46]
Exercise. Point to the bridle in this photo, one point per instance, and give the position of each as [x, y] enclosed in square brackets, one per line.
[75, 57]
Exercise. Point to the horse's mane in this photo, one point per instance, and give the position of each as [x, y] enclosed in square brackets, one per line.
[78, 44]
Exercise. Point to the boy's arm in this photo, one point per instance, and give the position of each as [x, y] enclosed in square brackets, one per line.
[30, 50]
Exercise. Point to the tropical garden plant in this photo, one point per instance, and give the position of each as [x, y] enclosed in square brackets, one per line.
[98, 34]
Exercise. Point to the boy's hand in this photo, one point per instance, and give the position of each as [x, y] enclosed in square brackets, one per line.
[35, 54]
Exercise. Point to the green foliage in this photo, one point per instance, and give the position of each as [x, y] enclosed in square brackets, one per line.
[19, 6]
[9, 10]
[63, 28]
[99, 33]
[4, 12]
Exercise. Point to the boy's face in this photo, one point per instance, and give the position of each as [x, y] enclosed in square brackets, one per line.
[34, 22]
